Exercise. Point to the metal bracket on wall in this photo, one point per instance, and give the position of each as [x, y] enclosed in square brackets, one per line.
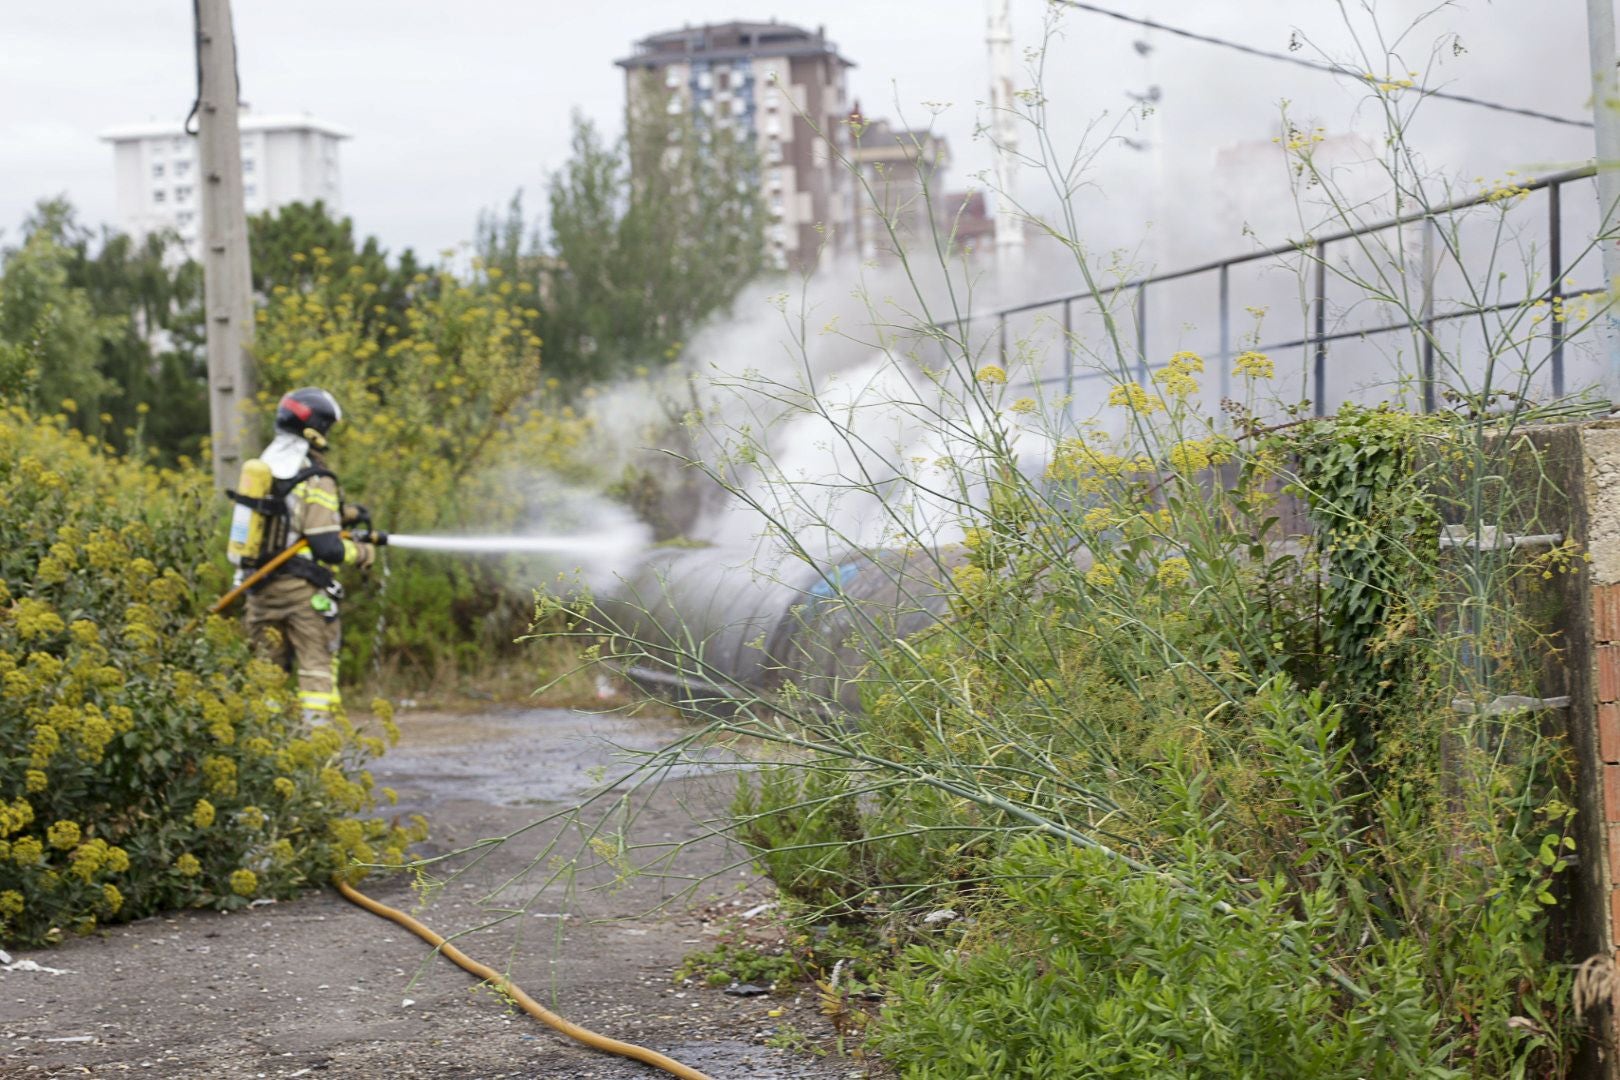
[1509, 703]
[1493, 538]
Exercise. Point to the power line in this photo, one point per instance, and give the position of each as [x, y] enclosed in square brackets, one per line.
[1314, 65]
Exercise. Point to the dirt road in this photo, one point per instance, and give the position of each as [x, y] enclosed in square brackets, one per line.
[319, 988]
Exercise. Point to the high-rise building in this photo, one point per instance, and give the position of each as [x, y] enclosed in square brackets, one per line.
[784, 87]
[285, 159]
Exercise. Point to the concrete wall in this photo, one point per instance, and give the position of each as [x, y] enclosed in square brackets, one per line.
[1594, 672]
[1575, 478]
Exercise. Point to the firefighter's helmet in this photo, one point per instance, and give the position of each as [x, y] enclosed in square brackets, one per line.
[309, 412]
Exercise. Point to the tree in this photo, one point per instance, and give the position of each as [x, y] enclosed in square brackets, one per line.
[508, 244]
[53, 332]
[646, 237]
[114, 326]
[159, 357]
[302, 245]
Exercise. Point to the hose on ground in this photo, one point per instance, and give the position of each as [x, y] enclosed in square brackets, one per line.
[512, 990]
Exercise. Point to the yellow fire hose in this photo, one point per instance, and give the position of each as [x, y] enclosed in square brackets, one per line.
[461, 959]
[506, 986]
[259, 575]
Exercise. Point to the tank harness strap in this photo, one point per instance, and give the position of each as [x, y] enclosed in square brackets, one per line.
[270, 506]
[305, 474]
[311, 571]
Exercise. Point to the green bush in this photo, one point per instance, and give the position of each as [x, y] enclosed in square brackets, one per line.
[150, 763]
[836, 849]
[1188, 699]
[1093, 970]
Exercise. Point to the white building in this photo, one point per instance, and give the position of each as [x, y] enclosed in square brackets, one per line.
[285, 159]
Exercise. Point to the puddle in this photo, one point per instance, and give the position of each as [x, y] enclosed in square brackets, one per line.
[522, 757]
[740, 1061]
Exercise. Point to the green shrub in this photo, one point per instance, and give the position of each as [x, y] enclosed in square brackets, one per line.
[150, 763]
[837, 850]
[1186, 700]
[1091, 970]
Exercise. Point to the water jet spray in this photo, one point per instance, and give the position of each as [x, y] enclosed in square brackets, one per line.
[512, 545]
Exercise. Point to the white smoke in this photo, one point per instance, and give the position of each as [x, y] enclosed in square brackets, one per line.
[840, 424]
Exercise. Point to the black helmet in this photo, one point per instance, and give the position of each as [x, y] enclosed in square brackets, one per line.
[309, 412]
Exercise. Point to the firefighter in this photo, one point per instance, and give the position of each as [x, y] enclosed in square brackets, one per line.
[292, 616]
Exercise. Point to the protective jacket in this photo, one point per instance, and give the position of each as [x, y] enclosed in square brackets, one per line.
[292, 616]
[306, 502]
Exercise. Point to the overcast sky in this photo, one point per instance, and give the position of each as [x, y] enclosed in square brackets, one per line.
[455, 106]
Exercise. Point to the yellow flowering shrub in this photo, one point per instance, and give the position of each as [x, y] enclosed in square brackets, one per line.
[141, 771]
[441, 413]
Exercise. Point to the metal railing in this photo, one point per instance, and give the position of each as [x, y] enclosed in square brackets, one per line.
[1318, 338]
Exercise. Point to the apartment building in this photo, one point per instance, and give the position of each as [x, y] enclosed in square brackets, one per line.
[784, 87]
[285, 159]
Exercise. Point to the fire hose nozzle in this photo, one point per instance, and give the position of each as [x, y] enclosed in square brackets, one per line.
[374, 537]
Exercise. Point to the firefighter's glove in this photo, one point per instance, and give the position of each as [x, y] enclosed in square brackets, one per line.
[355, 514]
[358, 553]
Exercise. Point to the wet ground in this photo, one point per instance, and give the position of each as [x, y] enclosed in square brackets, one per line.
[320, 988]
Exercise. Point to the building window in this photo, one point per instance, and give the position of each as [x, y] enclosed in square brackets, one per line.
[157, 171]
[674, 108]
[247, 165]
[185, 217]
[705, 80]
[672, 78]
[722, 80]
[159, 196]
[250, 191]
[183, 193]
[182, 168]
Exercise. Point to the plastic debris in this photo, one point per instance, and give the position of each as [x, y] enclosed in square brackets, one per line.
[29, 965]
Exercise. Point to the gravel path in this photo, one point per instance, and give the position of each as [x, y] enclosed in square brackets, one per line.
[320, 988]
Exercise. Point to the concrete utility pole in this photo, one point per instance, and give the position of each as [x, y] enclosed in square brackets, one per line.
[1004, 130]
[1606, 121]
[227, 277]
